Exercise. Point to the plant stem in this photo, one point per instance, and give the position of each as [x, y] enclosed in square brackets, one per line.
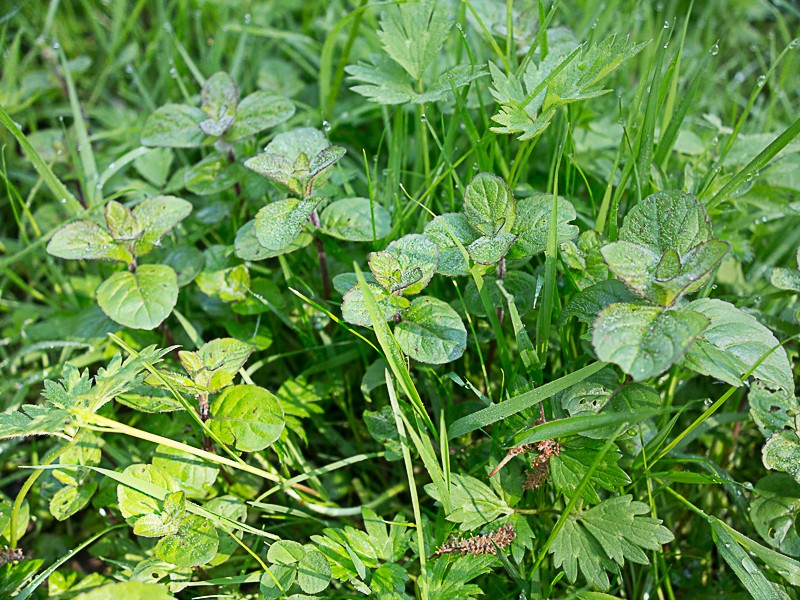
[323, 258]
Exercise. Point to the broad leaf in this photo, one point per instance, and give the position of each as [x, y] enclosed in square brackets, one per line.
[313, 572]
[645, 341]
[489, 205]
[167, 522]
[174, 125]
[354, 307]
[247, 416]
[733, 343]
[488, 250]
[257, 112]
[276, 583]
[587, 303]
[212, 175]
[133, 503]
[441, 231]
[194, 475]
[782, 453]
[194, 544]
[772, 411]
[775, 509]
[229, 285]
[86, 240]
[216, 363]
[355, 220]
[158, 216]
[533, 223]
[406, 265]
[431, 332]
[140, 300]
[231, 508]
[247, 247]
[278, 224]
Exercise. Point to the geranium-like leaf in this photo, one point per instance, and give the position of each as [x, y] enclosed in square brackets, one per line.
[140, 300]
[489, 205]
[406, 265]
[474, 502]
[247, 416]
[644, 340]
[86, 240]
[175, 126]
[278, 224]
[431, 332]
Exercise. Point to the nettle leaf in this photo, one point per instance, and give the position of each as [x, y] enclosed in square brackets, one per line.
[488, 250]
[133, 503]
[218, 99]
[212, 175]
[354, 307]
[667, 220]
[586, 304]
[229, 285]
[775, 509]
[216, 363]
[601, 538]
[86, 240]
[247, 416]
[489, 205]
[521, 286]
[643, 340]
[474, 502]
[278, 224]
[406, 265]
[247, 246]
[355, 220]
[175, 126]
[782, 453]
[413, 34]
[733, 342]
[167, 522]
[569, 467]
[257, 112]
[194, 544]
[158, 216]
[533, 223]
[772, 411]
[140, 300]
[194, 475]
[663, 278]
[441, 230]
[431, 332]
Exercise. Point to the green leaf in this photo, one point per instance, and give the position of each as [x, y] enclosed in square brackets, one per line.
[356, 220]
[533, 223]
[175, 126]
[128, 590]
[431, 332]
[441, 231]
[413, 34]
[568, 469]
[86, 240]
[475, 503]
[194, 544]
[668, 220]
[120, 222]
[186, 261]
[488, 250]
[247, 416]
[520, 285]
[785, 279]
[235, 510]
[313, 572]
[140, 300]
[354, 308]
[774, 510]
[782, 453]
[229, 285]
[194, 475]
[733, 342]
[285, 552]
[257, 112]
[645, 341]
[381, 426]
[772, 411]
[168, 522]
[247, 246]
[212, 175]
[489, 205]
[133, 503]
[586, 304]
[278, 224]
[218, 99]
[70, 499]
[158, 216]
[406, 265]
[154, 165]
[277, 582]
[216, 363]
[601, 538]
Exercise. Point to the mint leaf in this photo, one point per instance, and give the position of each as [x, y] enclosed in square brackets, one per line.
[355, 220]
[406, 265]
[140, 300]
[431, 332]
[157, 216]
[441, 230]
[247, 416]
[533, 223]
[489, 205]
[86, 240]
[257, 112]
[175, 126]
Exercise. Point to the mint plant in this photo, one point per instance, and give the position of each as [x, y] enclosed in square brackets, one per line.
[143, 296]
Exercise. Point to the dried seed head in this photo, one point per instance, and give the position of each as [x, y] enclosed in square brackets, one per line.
[8, 555]
[487, 543]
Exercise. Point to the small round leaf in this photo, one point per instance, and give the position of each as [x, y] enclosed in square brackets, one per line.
[247, 416]
[431, 332]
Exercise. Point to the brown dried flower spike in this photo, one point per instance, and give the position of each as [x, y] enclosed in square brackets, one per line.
[8, 555]
[487, 543]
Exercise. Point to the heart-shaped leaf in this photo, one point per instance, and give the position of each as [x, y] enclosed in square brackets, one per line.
[175, 126]
[247, 416]
[406, 265]
[489, 205]
[194, 544]
[140, 300]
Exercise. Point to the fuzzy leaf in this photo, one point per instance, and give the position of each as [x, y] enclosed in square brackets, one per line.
[488, 250]
[356, 220]
[533, 223]
[733, 342]
[212, 175]
[489, 205]
[431, 332]
[216, 363]
[772, 411]
[645, 341]
[247, 246]
[441, 231]
[86, 240]
[175, 126]
[587, 303]
[257, 112]
[782, 453]
[278, 224]
[194, 544]
[354, 308]
[140, 300]
[406, 265]
[158, 216]
[247, 416]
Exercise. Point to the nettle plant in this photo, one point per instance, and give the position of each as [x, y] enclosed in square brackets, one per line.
[144, 295]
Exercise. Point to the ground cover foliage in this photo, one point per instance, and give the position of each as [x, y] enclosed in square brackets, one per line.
[423, 299]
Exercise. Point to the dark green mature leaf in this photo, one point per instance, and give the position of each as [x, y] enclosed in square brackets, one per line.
[247, 247]
[406, 265]
[247, 416]
[431, 332]
[175, 126]
[645, 341]
[782, 453]
[533, 223]
[474, 502]
[355, 220]
[140, 300]
[774, 510]
[602, 538]
[212, 175]
[441, 231]
[733, 342]
[354, 308]
[194, 544]
[257, 112]
[278, 224]
[772, 411]
[413, 34]
[489, 205]
[449, 580]
[86, 240]
[587, 303]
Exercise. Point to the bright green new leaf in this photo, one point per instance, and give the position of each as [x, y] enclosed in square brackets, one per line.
[257, 112]
[602, 538]
[533, 223]
[431, 332]
[167, 522]
[354, 307]
[158, 216]
[140, 300]
[133, 503]
[643, 340]
[229, 285]
[732, 344]
[441, 231]
[175, 126]
[285, 552]
[128, 590]
[355, 220]
[70, 499]
[247, 416]
[194, 475]
[120, 222]
[194, 544]
[86, 240]
[489, 205]
[313, 572]
[216, 363]
[406, 265]
[474, 502]
[279, 223]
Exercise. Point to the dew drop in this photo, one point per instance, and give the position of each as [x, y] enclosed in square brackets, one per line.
[56, 45]
[63, 201]
[423, 118]
[129, 69]
[666, 24]
[247, 18]
[794, 43]
[762, 79]
[173, 72]
[326, 126]
[666, 45]
[714, 49]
